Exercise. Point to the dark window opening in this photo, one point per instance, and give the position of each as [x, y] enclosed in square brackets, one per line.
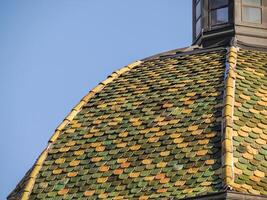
[219, 16]
[219, 12]
[218, 3]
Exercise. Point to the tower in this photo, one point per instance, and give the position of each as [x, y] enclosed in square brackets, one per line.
[220, 22]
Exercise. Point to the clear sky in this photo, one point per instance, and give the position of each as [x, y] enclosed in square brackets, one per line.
[52, 52]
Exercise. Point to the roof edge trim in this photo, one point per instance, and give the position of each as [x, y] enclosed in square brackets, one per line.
[227, 118]
[228, 195]
[39, 162]
[247, 46]
[183, 52]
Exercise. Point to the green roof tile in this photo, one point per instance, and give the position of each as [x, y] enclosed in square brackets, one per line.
[155, 132]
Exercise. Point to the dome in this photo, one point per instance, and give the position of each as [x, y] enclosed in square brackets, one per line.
[188, 123]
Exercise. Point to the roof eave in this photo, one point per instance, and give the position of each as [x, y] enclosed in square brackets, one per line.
[228, 195]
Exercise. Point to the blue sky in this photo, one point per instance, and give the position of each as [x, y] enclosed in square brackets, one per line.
[53, 52]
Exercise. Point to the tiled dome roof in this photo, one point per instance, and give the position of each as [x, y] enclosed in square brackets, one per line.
[186, 123]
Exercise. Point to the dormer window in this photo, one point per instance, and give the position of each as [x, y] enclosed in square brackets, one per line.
[252, 11]
[219, 12]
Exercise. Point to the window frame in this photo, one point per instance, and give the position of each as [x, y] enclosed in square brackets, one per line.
[251, 6]
[198, 2]
[238, 14]
[195, 20]
[215, 11]
[218, 7]
[210, 10]
[205, 18]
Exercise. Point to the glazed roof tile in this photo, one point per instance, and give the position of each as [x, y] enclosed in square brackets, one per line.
[163, 127]
[250, 123]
